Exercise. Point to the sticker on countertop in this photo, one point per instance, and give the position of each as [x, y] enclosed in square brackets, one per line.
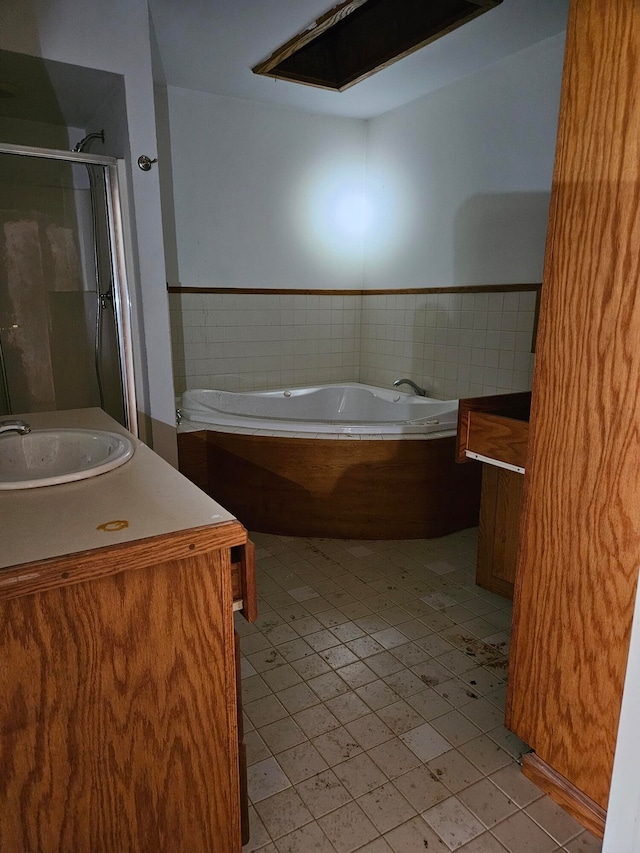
[110, 526]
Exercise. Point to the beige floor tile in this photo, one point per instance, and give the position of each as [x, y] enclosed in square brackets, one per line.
[389, 638]
[377, 694]
[515, 785]
[338, 656]
[265, 710]
[429, 704]
[348, 631]
[266, 659]
[257, 750]
[400, 717]
[311, 667]
[279, 634]
[585, 843]
[520, 834]
[431, 672]
[357, 674]
[328, 685]
[485, 843]
[485, 754]
[410, 654]
[487, 802]
[425, 742]
[281, 735]
[369, 731]
[322, 640]
[554, 820]
[371, 624]
[508, 741]
[348, 828]
[297, 698]
[306, 625]
[283, 813]
[483, 714]
[281, 677]
[456, 728]
[316, 720]
[360, 774]
[415, 836]
[394, 758]
[254, 688]
[337, 746]
[422, 788]
[405, 683]
[323, 793]
[266, 778]
[386, 808]
[259, 837]
[304, 840]
[377, 846]
[384, 664]
[347, 707]
[295, 649]
[453, 822]
[414, 629]
[300, 762]
[454, 770]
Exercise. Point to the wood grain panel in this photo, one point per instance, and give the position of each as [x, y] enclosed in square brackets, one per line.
[497, 437]
[119, 727]
[515, 406]
[580, 548]
[128, 556]
[500, 510]
[590, 814]
[192, 457]
[348, 489]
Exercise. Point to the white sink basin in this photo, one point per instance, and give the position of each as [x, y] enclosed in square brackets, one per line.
[48, 457]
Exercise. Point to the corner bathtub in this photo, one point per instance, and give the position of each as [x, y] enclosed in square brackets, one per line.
[273, 460]
[347, 409]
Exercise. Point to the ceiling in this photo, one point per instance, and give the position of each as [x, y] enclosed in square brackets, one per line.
[211, 46]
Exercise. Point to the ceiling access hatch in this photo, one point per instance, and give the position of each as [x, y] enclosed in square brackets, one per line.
[359, 37]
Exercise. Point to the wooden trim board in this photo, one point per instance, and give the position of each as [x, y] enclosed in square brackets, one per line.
[578, 805]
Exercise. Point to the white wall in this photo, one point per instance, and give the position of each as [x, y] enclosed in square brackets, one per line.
[258, 191]
[460, 180]
[116, 39]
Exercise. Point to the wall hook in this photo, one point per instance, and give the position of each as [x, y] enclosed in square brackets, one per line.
[145, 163]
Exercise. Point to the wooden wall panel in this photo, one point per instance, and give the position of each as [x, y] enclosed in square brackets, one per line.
[580, 551]
[123, 735]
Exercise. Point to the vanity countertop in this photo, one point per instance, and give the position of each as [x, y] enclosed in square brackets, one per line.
[143, 498]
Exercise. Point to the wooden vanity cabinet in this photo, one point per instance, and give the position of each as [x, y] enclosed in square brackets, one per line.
[118, 697]
[495, 431]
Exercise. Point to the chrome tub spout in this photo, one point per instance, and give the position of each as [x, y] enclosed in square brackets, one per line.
[21, 427]
[421, 392]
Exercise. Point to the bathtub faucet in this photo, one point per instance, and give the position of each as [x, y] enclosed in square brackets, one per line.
[421, 392]
[21, 427]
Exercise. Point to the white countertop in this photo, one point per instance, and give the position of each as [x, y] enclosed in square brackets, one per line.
[146, 492]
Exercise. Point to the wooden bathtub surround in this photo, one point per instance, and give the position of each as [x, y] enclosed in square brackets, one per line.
[355, 489]
[580, 537]
[497, 428]
[119, 705]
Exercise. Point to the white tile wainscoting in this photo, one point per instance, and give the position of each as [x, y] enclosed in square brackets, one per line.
[457, 344]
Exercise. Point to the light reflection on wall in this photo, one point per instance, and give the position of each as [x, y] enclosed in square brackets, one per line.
[347, 218]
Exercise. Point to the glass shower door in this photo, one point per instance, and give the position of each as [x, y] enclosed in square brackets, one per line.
[63, 305]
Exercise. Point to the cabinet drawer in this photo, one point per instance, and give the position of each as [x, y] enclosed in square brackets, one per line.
[243, 580]
[498, 437]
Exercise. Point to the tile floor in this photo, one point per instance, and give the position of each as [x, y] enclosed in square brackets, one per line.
[374, 684]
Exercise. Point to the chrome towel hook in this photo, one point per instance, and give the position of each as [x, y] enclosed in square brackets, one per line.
[145, 163]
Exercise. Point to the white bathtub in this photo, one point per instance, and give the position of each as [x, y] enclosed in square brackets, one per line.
[350, 408]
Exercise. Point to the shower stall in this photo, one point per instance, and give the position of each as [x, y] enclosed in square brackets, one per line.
[65, 335]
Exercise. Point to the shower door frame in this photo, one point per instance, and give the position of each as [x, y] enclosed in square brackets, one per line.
[116, 173]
